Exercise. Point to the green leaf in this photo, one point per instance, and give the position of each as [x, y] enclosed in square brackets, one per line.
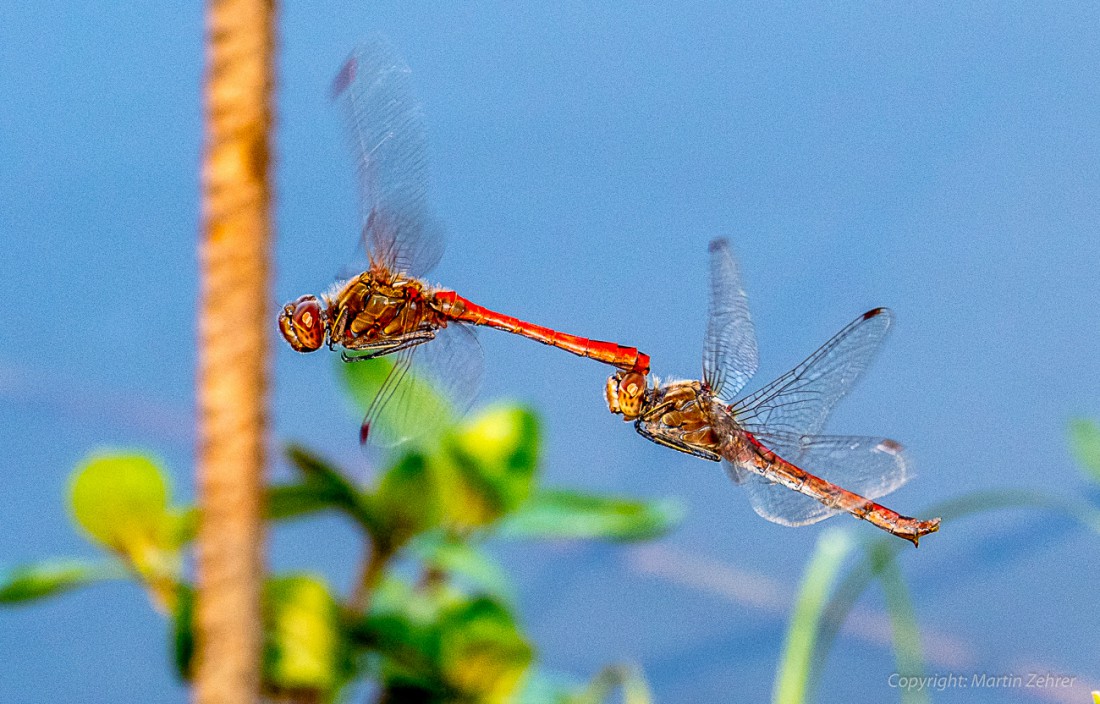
[460, 558]
[183, 525]
[489, 465]
[409, 650]
[503, 442]
[183, 633]
[406, 502]
[629, 678]
[483, 654]
[566, 514]
[324, 485]
[792, 677]
[403, 627]
[422, 412]
[438, 641]
[303, 648]
[409, 644]
[423, 606]
[1084, 440]
[37, 581]
[289, 501]
[121, 502]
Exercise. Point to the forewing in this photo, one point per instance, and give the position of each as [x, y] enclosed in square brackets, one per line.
[386, 131]
[868, 466]
[730, 356]
[799, 402]
[428, 389]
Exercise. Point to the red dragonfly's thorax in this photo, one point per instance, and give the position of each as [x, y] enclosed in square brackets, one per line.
[373, 307]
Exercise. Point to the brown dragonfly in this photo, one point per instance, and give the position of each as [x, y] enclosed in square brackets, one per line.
[388, 308]
[768, 440]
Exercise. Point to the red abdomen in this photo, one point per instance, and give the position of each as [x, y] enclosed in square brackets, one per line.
[451, 305]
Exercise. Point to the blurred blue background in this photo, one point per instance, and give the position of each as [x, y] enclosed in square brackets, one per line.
[939, 158]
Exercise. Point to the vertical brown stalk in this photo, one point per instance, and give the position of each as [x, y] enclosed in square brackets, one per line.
[233, 333]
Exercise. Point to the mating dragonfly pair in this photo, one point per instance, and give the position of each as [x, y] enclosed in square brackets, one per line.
[769, 441]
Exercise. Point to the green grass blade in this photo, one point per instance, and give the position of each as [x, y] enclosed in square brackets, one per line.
[903, 621]
[1084, 441]
[792, 676]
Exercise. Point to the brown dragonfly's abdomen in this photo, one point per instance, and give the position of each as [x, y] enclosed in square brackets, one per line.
[367, 311]
[777, 469]
[453, 306]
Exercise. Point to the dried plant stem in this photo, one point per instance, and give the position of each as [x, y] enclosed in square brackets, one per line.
[233, 333]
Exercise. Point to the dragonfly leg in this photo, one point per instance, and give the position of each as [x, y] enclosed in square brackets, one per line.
[649, 431]
[336, 331]
[652, 414]
[381, 348]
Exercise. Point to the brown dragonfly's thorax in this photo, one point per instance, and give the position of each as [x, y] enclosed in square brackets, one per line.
[681, 415]
[369, 307]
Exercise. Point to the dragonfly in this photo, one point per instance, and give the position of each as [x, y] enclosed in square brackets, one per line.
[769, 440]
[388, 308]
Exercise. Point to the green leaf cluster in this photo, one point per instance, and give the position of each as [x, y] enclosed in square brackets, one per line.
[429, 617]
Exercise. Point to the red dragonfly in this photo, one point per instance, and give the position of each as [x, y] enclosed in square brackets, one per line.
[388, 309]
[769, 439]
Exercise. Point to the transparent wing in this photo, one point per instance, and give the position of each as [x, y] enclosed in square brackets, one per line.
[730, 357]
[870, 467]
[799, 402]
[421, 391]
[377, 427]
[386, 131]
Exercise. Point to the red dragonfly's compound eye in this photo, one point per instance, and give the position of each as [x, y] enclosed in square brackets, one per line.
[306, 314]
[301, 324]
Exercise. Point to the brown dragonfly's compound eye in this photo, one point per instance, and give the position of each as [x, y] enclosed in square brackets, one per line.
[302, 325]
[631, 394]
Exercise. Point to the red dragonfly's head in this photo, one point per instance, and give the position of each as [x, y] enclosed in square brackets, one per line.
[303, 324]
[626, 394]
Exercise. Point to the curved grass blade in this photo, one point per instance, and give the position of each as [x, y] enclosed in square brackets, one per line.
[908, 653]
[792, 676]
[1084, 441]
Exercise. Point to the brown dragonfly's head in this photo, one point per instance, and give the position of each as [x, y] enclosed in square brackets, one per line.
[626, 394]
[303, 324]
